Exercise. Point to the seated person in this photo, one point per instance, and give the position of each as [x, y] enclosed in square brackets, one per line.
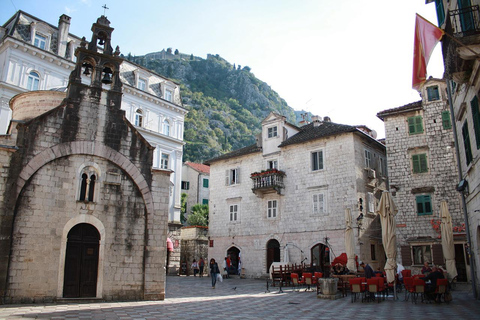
[433, 276]
[426, 268]
[378, 272]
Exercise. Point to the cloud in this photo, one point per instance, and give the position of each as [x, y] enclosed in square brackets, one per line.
[69, 10]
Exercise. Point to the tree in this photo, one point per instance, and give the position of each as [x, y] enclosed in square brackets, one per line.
[183, 207]
[198, 216]
[246, 68]
[191, 57]
[176, 52]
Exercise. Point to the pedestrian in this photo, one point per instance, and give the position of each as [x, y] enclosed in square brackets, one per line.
[214, 272]
[184, 267]
[201, 265]
[239, 266]
[225, 267]
[195, 267]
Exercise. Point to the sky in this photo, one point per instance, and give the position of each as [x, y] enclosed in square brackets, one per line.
[345, 59]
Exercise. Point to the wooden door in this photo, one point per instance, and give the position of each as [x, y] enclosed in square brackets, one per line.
[81, 262]
[273, 253]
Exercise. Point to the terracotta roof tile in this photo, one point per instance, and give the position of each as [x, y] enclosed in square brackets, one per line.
[199, 167]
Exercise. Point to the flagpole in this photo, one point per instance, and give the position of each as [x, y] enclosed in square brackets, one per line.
[477, 55]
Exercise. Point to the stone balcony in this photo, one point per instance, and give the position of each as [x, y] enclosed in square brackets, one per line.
[268, 181]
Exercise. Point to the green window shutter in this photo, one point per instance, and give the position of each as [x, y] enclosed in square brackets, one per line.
[440, 11]
[476, 120]
[466, 143]
[205, 201]
[418, 124]
[419, 163]
[411, 125]
[433, 94]
[416, 163]
[415, 125]
[423, 163]
[205, 183]
[446, 120]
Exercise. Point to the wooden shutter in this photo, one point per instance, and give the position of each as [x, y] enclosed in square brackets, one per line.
[446, 120]
[406, 255]
[227, 177]
[238, 176]
[437, 254]
[416, 163]
[423, 162]
[476, 120]
[418, 124]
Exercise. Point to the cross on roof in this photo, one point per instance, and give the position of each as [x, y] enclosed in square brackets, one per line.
[105, 8]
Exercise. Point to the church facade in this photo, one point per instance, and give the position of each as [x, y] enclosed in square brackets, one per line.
[82, 212]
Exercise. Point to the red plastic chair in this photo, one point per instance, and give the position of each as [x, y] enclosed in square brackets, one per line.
[356, 288]
[418, 289]
[406, 273]
[408, 284]
[307, 280]
[296, 281]
[441, 289]
[375, 286]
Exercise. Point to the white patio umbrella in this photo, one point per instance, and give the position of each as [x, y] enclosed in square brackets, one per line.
[286, 255]
[349, 241]
[387, 211]
[447, 240]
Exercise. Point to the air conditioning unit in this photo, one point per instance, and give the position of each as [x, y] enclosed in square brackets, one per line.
[371, 174]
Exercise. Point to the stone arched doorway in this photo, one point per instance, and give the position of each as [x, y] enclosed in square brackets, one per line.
[233, 253]
[273, 253]
[320, 258]
[81, 262]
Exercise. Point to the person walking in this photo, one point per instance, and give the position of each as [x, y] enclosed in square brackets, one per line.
[201, 265]
[195, 267]
[225, 268]
[214, 272]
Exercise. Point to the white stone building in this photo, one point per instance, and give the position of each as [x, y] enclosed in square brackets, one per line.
[422, 172]
[36, 55]
[289, 192]
[195, 184]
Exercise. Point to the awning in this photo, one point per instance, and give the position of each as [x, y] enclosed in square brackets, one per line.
[169, 244]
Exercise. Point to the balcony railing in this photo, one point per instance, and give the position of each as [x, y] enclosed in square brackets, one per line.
[268, 181]
[465, 21]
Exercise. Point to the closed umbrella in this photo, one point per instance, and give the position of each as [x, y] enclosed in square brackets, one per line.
[387, 211]
[447, 240]
[286, 255]
[349, 241]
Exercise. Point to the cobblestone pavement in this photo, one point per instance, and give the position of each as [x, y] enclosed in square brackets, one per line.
[194, 298]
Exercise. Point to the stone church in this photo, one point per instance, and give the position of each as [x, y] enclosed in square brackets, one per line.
[82, 212]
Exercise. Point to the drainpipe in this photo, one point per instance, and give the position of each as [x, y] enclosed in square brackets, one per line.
[464, 204]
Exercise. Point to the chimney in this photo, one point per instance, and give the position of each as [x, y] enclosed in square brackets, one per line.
[316, 121]
[63, 29]
[327, 119]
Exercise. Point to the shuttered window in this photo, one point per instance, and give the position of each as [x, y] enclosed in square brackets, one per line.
[466, 143]
[446, 120]
[476, 120]
[419, 163]
[415, 125]
[424, 205]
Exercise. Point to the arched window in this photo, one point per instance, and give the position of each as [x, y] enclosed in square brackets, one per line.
[87, 185]
[33, 81]
[166, 127]
[139, 117]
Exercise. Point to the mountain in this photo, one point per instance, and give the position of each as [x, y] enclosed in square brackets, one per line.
[225, 103]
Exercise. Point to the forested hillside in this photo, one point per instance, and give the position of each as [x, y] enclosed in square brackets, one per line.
[226, 103]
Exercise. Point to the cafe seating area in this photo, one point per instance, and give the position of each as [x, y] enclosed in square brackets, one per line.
[375, 289]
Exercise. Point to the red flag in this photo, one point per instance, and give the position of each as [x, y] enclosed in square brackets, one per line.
[427, 35]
